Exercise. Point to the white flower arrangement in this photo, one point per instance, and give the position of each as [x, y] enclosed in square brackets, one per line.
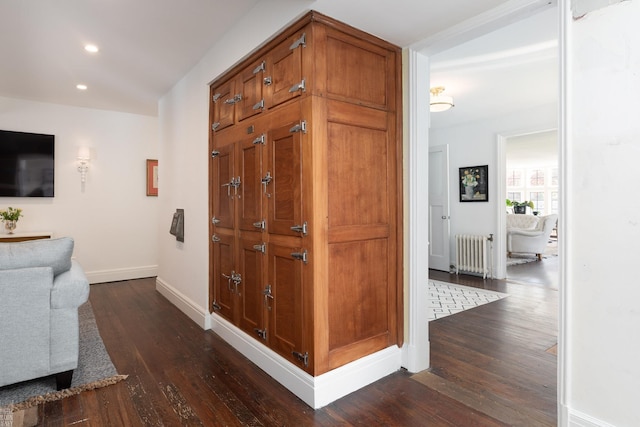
[470, 177]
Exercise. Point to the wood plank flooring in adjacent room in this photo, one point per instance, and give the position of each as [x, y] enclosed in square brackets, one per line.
[490, 367]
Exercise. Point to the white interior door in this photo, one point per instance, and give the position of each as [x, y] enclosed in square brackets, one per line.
[439, 241]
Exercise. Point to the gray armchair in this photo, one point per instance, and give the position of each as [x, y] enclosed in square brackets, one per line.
[41, 289]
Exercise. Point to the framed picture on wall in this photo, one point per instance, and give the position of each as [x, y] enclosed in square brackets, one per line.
[474, 184]
[152, 177]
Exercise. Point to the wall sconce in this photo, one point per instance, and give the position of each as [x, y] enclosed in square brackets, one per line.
[83, 163]
[438, 101]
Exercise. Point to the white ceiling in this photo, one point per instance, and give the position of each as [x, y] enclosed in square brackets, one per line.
[511, 69]
[146, 46]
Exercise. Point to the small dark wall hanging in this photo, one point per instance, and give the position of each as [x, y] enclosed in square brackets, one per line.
[177, 225]
[474, 184]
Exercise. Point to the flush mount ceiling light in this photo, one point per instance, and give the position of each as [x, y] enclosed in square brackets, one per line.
[81, 87]
[91, 48]
[438, 101]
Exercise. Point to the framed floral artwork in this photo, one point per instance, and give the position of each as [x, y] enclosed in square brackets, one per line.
[474, 184]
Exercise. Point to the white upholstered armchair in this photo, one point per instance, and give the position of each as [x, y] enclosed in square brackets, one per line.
[532, 239]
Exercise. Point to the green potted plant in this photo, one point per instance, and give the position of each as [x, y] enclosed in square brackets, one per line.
[10, 217]
[520, 207]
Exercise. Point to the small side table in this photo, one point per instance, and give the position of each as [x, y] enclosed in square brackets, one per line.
[22, 237]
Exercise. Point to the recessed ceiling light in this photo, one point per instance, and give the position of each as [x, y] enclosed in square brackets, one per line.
[91, 48]
[81, 87]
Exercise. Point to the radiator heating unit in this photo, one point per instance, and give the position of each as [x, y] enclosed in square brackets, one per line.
[473, 253]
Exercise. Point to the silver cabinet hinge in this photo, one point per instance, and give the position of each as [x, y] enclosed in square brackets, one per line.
[262, 139]
[237, 98]
[259, 105]
[215, 153]
[215, 126]
[216, 306]
[215, 221]
[262, 248]
[302, 256]
[262, 333]
[304, 358]
[300, 86]
[216, 97]
[260, 224]
[267, 81]
[300, 228]
[300, 127]
[259, 68]
[302, 41]
[215, 239]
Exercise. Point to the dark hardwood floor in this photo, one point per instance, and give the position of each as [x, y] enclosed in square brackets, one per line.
[490, 367]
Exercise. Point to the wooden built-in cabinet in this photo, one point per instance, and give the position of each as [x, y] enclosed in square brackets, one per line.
[306, 194]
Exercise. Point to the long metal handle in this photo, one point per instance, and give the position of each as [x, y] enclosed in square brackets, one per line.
[265, 181]
[267, 295]
[229, 278]
[228, 185]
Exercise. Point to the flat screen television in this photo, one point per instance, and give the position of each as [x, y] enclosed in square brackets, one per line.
[26, 164]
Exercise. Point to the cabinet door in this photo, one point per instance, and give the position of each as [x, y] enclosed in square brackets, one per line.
[223, 100]
[286, 308]
[252, 259]
[223, 271]
[223, 187]
[250, 83]
[284, 70]
[284, 165]
[250, 190]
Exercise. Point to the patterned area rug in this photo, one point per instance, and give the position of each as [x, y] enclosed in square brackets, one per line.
[95, 370]
[446, 298]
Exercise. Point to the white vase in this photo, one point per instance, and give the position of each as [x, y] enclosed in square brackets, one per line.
[468, 191]
[10, 226]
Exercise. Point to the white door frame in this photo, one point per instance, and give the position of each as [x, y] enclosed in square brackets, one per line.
[415, 352]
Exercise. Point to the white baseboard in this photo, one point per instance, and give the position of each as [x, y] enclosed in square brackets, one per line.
[314, 391]
[118, 274]
[185, 304]
[579, 419]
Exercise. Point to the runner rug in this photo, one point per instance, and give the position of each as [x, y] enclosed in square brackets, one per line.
[95, 370]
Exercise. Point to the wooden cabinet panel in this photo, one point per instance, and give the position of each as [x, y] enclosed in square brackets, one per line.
[222, 171]
[360, 71]
[249, 199]
[359, 298]
[224, 267]
[360, 189]
[251, 101]
[284, 68]
[284, 191]
[223, 105]
[251, 267]
[286, 316]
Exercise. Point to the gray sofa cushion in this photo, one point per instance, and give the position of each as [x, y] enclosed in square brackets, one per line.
[54, 253]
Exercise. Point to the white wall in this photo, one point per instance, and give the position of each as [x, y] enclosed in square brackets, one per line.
[475, 144]
[603, 226]
[113, 222]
